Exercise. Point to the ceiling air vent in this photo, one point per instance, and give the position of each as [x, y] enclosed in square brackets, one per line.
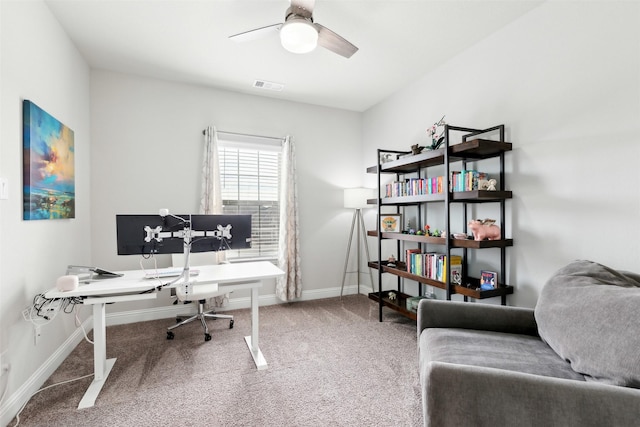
[261, 84]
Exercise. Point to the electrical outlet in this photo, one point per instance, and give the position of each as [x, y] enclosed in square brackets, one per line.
[26, 313]
[5, 366]
[37, 334]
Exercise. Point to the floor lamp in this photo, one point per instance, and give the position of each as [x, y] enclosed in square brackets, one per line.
[356, 199]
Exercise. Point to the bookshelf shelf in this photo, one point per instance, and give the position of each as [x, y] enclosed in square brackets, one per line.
[457, 243]
[397, 304]
[468, 291]
[415, 168]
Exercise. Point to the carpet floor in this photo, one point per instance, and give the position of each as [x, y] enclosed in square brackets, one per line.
[331, 363]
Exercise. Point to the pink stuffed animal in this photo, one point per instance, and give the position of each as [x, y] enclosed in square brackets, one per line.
[484, 229]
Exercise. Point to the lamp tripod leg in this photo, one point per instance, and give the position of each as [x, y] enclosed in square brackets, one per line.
[346, 259]
[366, 249]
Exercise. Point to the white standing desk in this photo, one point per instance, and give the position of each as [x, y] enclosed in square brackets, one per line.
[133, 286]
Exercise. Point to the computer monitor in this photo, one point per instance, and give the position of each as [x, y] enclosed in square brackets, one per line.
[131, 233]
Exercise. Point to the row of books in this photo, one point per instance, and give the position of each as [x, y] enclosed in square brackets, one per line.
[465, 180]
[433, 265]
[415, 187]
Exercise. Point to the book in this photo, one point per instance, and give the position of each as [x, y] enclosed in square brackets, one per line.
[456, 270]
[466, 180]
[418, 264]
[488, 280]
[409, 259]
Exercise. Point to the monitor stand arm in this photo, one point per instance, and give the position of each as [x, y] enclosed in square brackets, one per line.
[187, 235]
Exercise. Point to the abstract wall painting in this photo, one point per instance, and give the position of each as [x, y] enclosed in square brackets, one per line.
[48, 166]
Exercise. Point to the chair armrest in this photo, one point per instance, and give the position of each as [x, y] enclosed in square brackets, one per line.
[457, 395]
[464, 315]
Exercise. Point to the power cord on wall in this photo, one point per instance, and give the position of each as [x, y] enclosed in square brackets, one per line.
[79, 324]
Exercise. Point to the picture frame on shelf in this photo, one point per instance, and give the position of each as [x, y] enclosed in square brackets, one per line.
[390, 223]
[488, 280]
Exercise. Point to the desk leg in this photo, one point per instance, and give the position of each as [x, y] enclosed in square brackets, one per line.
[101, 366]
[252, 341]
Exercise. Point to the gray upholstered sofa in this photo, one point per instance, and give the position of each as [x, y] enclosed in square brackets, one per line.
[574, 360]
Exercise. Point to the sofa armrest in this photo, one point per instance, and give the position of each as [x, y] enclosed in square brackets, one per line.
[464, 315]
[458, 395]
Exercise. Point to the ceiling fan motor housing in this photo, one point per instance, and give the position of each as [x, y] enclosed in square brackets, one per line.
[298, 34]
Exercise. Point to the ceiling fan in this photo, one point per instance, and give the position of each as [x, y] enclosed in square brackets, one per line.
[299, 34]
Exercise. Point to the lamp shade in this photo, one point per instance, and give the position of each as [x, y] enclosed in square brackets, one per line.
[356, 198]
[298, 35]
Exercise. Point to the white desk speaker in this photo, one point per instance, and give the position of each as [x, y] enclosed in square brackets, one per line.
[67, 283]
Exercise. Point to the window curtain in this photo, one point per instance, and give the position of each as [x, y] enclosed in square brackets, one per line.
[211, 195]
[289, 286]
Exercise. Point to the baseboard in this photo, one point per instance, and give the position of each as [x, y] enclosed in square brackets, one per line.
[15, 401]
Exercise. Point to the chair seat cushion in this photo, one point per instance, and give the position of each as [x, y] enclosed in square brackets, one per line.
[199, 291]
[590, 315]
[513, 352]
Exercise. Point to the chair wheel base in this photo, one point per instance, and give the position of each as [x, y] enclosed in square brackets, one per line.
[207, 337]
[170, 335]
[231, 324]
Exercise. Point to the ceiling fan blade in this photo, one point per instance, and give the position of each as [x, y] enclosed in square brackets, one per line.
[307, 5]
[335, 43]
[255, 34]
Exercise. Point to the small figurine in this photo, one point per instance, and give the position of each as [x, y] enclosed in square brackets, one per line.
[487, 184]
[416, 149]
[409, 229]
[484, 229]
[385, 157]
[392, 296]
[391, 262]
[439, 233]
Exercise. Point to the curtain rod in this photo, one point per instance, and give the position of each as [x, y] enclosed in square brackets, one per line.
[204, 131]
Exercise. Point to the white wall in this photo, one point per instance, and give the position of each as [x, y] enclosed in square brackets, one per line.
[38, 63]
[565, 80]
[147, 152]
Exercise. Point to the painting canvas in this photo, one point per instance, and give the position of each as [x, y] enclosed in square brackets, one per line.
[48, 166]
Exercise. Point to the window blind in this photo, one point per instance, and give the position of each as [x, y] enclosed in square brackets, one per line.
[249, 175]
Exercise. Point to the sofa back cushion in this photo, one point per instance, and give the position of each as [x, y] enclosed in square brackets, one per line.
[590, 315]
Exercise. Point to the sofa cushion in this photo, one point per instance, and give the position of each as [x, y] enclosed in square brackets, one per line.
[513, 352]
[590, 315]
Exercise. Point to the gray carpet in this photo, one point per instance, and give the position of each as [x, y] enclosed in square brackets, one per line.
[331, 363]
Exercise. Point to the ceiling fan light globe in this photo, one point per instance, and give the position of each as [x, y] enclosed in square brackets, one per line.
[298, 36]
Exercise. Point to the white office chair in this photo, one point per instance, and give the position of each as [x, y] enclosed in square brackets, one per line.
[200, 293]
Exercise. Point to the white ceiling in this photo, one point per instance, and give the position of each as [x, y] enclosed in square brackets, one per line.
[187, 41]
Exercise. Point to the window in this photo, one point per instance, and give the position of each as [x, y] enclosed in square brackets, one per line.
[249, 178]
